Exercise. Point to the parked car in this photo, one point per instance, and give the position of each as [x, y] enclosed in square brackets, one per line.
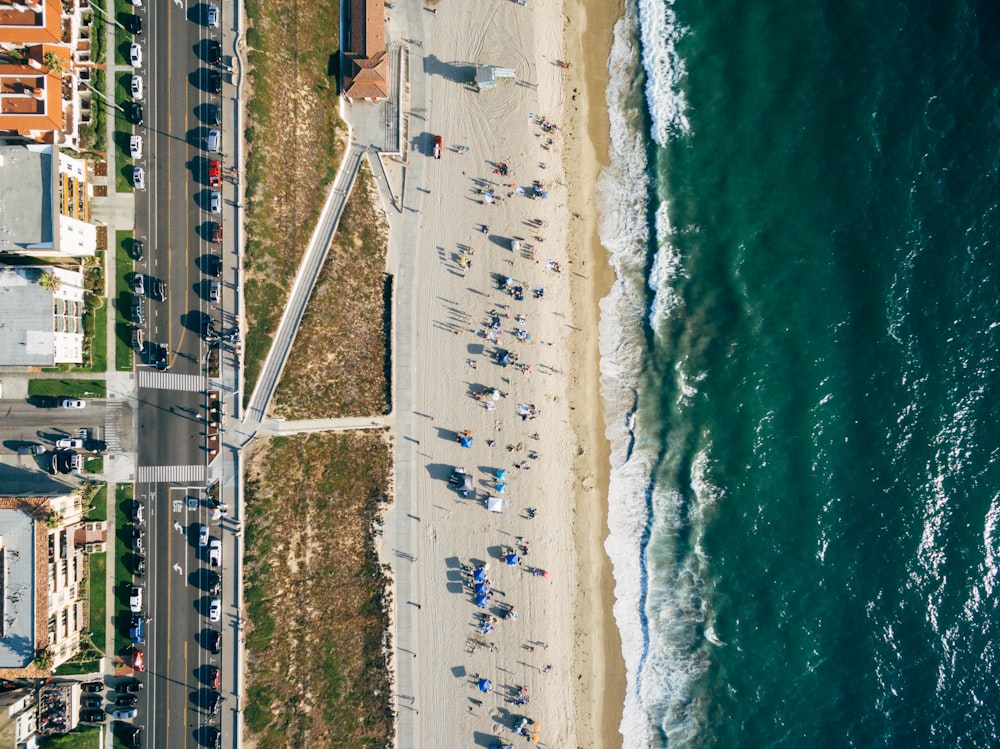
[215, 552]
[92, 686]
[214, 738]
[138, 178]
[214, 141]
[215, 201]
[213, 265]
[138, 339]
[214, 173]
[214, 610]
[215, 677]
[135, 55]
[72, 443]
[137, 248]
[137, 513]
[215, 642]
[213, 114]
[133, 23]
[203, 535]
[214, 52]
[136, 87]
[135, 599]
[126, 700]
[212, 17]
[215, 232]
[134, 113]
[214, 291]
[214, 583]
[214, 698]
[161, 354]
[159, 289]
[139, 284]
[132, 736]
[31, 450]
[138, 310]
[138, 662]
[139, 566]
[137, 541]
[92, 716]
[135, 146]
[72, 403]
[91, 701]
[125, 713]
[438, 146]
[130, 686]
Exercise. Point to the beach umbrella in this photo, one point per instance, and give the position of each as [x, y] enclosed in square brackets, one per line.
[485, 628]
[494, 504]
[484, 685]
[512, 558]
[501, 487]
[482, 588]
[479, 574]
[482, 601]
[501, 474]
[465, 441]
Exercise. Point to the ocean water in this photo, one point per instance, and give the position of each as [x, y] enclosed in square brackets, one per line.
[802, 213]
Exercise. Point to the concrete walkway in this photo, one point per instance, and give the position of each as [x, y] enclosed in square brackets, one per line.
[280, 427]
[298, 298]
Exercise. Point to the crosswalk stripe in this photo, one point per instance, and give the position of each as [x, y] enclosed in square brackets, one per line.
[149, 378]
[168, 474]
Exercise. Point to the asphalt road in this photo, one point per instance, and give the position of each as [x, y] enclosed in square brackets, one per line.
[24, 423]
[172, 218]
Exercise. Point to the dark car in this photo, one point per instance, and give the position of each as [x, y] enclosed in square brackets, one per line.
[215, 586]
[136, 633]
[92, 686]
[215, 232]
[129, 686]
[137, 541]
[131, 735]
[126, 700]
[215, 82]
[139, 566]
[213, 114]
[92, 716]
[208, 329]
[44, 401]
[134, 113]
[64, 461]
[133, 23]
[215, 677]
[159, 289]
[160, 355]
[214, 698]
[215, 641]
[91, 702]
[137, 249]
[213, 265]
[214, 55]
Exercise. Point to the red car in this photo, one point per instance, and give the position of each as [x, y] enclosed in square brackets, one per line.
[214, 173]
[137, 661]
[215, 677]
[215, 232]
[438, 146]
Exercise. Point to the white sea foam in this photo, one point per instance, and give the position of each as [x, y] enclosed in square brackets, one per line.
[664, 68]
[658, 670]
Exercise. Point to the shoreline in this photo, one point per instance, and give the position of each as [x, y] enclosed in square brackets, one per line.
[599, 694]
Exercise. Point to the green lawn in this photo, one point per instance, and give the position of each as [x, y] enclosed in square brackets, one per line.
[99, 510]
[93, 464]
[123, 301]
[82, 737]
[123, 565]
[122, 38]
[68, 388]
[98, 599]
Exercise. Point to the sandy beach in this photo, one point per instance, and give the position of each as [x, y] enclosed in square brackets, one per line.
[556, 661]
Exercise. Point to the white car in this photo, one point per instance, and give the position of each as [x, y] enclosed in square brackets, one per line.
[135, 600]
[137, 3]
[72, 403]
[135, 146]
[125, 713]
[72, 443]
[139, 178]
[203, 536]
[213, 16]
[135, 55]
[215, 610]
[137, 87]
[139, 284]
[215, 201]
[215, 552]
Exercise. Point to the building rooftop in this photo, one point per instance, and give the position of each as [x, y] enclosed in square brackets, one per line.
[366, 62]
[40, 327]
[30, 21]
[28, 217]
[17, 578]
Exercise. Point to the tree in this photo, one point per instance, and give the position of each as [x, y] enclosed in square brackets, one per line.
[43, 659]
[49, 281]
[52, 520]
[53, 61]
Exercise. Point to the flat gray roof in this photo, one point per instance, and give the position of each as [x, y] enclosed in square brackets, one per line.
[26, 331]
[27, 187]
[17, 576]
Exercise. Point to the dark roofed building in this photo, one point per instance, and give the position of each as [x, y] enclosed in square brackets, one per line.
[365, 62]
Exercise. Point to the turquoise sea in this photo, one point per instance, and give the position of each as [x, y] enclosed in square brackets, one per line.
[803, 212]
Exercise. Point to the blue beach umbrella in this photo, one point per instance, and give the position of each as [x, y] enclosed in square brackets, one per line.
[512, 558]
[502, 487]
[484, 685]
[482, 601]
[479, 574]
[482, 589]
[465, 441]
[501, 474]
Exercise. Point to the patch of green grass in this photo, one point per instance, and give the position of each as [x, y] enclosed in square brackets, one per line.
[81, 737]
[68, 388]
[93, 464]
[99, 508]
[74, 668]
[98, 581]
[123, 301]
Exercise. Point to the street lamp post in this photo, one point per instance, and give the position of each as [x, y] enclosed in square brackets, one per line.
[107, 17]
